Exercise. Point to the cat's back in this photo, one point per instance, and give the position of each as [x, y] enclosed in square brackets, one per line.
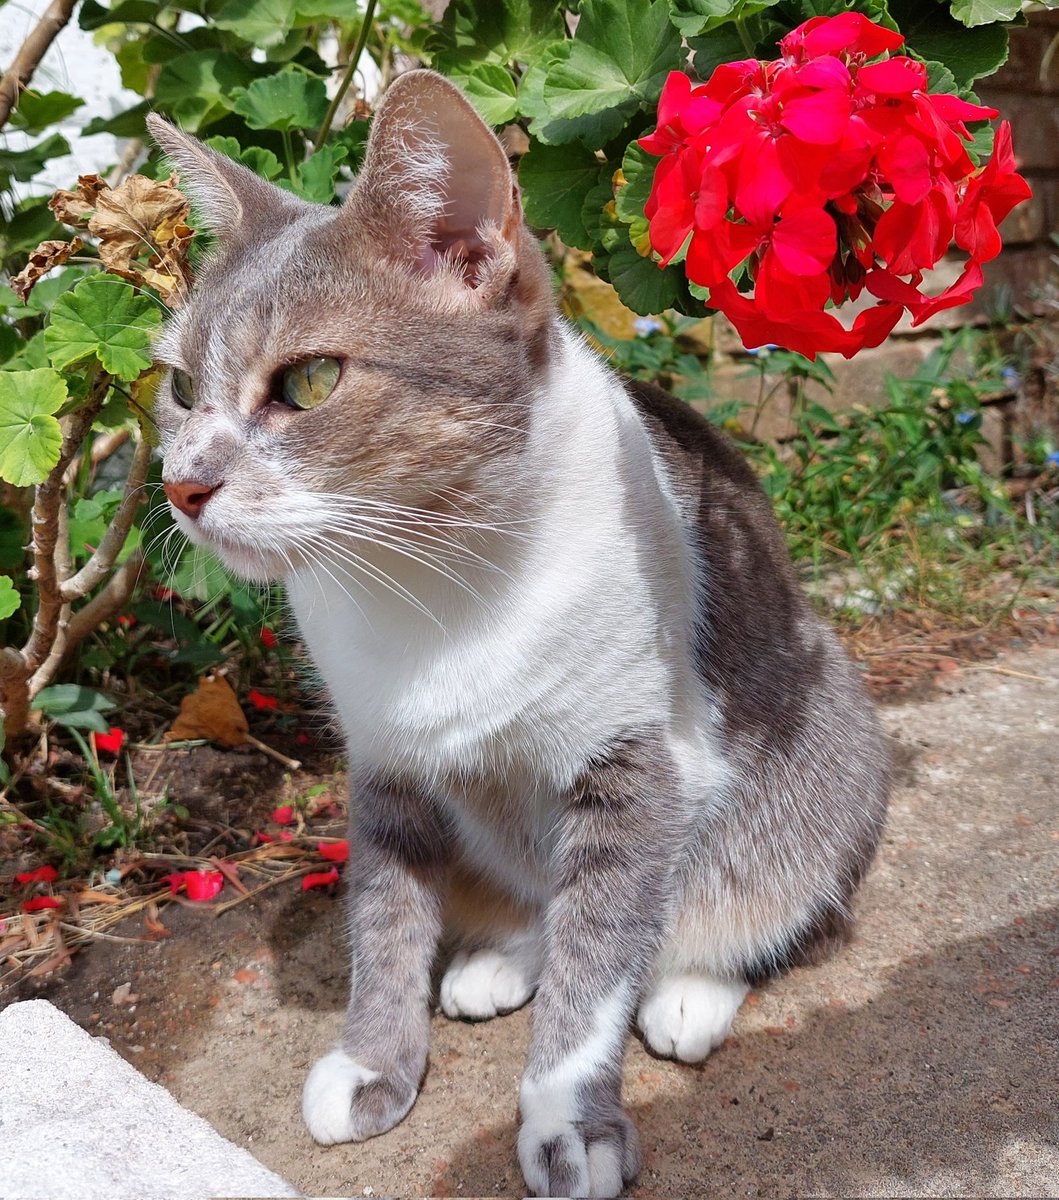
[761, 649]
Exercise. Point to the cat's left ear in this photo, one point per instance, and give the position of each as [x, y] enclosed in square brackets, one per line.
[231, 201]
[436, 192]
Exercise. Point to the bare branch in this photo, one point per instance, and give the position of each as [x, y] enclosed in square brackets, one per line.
[47, 29]
[50, 497]
[99, 565]
[100, 608]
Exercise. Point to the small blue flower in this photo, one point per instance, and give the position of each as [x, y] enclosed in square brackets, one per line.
[645, 326]
[1011, 377]
[965, 418]
[1052, 459]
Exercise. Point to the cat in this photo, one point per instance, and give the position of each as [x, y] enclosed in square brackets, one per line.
[599, 742]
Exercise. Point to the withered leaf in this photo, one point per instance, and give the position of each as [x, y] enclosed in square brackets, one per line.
[127, 218]
[46, 256]
[211, 711]
[74, 208]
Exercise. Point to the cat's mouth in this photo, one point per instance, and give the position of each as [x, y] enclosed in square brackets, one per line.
[253, 563]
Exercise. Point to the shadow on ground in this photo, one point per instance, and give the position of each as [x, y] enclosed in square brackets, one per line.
[935, 1083]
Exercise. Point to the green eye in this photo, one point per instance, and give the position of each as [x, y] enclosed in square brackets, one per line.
[183, 388]
[308, 384]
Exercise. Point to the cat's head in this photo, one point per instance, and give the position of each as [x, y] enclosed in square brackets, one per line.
[378, 356]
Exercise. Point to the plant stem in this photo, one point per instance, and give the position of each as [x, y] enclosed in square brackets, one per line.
[745, 38]
[351, 69]
[288, 154]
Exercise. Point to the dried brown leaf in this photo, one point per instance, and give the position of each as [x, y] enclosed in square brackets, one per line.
[128, 217]
[211, 711]
[46, 256]
[74, 208]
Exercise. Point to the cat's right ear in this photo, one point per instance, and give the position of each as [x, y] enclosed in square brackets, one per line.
[231, 201]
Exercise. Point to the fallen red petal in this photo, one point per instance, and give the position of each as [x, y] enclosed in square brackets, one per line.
[284, 815]
[110, 743]
[337, 852]
[203, 885]
[39, 902]
[260, 700]
[40, 875]
[320, 879]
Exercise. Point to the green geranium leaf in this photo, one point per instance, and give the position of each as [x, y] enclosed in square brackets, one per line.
[491, 90]
[316, 176]
[10, 600]
[37, 110]
[695, 17]
[259, 160]
[474, 31]
[30, 437]
[620, 58]
[130, 123]
[641, 284]
[24, 165]
[932, 34]
[73, 706]
[723, 45]
[638, 168]
[102, 317]
[984, 12]
[290, 99]
[196, 88]
[94, 15]
[594, 130]
[555, 181]
[262, 23]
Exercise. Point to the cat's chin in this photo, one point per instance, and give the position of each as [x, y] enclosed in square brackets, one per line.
[252, 566]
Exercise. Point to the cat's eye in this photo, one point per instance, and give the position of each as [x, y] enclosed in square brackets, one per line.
[308, 384]
[183, 388]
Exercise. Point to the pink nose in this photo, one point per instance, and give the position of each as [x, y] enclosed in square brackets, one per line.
[189, 497]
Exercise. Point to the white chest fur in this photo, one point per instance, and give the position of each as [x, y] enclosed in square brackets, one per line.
[513, 678]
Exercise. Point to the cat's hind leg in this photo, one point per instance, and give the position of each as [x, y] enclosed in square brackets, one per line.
[495, 970]
[686, 1015]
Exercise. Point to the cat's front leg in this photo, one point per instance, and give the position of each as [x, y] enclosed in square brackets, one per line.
[612, 874]
[397, 868]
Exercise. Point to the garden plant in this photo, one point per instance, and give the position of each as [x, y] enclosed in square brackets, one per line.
[770, 159]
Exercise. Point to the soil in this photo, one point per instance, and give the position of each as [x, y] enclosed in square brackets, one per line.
[920, 1062]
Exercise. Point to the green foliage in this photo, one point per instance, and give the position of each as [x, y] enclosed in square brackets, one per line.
[73, 706]
[102, 318]
[30, 437]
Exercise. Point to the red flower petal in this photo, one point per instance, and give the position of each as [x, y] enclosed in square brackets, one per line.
[260, 700]
[40, 875]
[39, 902]
[896, 77]
[805, 242]
[819, 118]
[268, 638]
[284, 815]
[202, 885]
[110, 743]
[337, 852]
[320, 879]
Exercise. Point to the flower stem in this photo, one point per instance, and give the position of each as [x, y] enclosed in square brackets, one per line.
[745, 38]
[288, 153]
[351, 68]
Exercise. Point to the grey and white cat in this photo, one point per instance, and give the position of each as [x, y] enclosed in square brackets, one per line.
[599, 742]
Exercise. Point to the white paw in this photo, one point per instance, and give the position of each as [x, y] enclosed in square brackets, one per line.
[345, 1102]
[561, 1159]
[686, 1016]
[484, 984]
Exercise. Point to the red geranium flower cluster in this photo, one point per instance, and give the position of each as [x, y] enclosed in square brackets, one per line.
[824, 173]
